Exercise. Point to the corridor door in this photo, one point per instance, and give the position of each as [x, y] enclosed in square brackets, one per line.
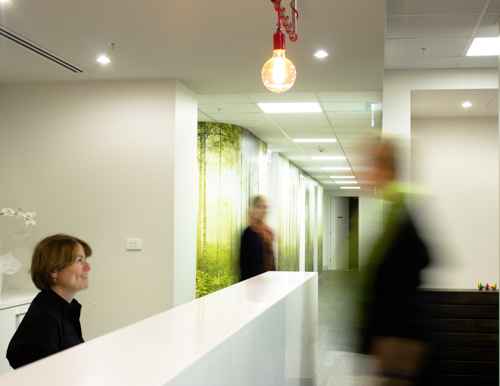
[339, 233]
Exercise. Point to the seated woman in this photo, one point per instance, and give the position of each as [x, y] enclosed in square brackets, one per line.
[256, 253]
[59, 268]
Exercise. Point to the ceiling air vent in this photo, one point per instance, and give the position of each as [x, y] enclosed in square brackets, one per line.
[23, 42]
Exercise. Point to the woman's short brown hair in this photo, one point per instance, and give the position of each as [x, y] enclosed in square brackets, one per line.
[54, 253]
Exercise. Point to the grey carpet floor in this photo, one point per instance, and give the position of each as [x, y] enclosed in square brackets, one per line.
[338, 364]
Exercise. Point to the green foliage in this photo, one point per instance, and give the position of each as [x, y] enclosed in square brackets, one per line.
[206, 284]
[202, 281]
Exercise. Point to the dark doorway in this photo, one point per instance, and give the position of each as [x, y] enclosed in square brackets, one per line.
[353, 233]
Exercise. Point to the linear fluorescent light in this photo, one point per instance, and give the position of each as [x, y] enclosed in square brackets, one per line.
[327, 157]
[336, 168]
[483, 47]
[349, 187]
[341, 176]
[346, 182]
[316, 140]
[290, 107]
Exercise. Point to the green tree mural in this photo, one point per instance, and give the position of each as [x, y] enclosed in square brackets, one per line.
[231, 169]
[299, 208]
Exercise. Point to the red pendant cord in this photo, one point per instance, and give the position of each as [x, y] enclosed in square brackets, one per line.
[282, 17]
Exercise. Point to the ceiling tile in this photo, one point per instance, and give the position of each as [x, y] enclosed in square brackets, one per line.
[225, 108]
[420, 63]
[412, 48]
[313, 132]
[287, 97]
[494, 6]
[350, 122]
[442, 26]
[345, 106]
[222, 98]
[228, 118]
[432, 7]
[479, 62]
[204, 118]
[489, 26]
[363, 115]
[369, 96]
[293, 117]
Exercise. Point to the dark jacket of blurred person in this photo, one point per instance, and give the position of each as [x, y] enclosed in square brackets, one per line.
[391, 300]
[256, 251]
[393, 324]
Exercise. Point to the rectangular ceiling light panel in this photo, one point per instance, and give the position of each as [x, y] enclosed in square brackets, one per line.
[272, 108]
[484, 47]
[315, 140]
[319, 158]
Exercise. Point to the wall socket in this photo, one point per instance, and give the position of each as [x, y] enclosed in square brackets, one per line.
[134, 244]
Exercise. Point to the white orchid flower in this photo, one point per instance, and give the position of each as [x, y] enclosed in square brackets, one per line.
[30, 223]
[20, 214]
[8, 212]
[30, 215]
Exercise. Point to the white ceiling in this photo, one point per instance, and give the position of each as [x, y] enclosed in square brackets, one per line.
[217, 49]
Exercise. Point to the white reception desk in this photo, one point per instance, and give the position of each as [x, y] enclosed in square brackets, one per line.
[260, 332]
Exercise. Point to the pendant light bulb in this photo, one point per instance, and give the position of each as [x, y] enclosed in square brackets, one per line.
[279, 73]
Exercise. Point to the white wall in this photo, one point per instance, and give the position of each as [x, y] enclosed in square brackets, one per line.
[98, 161]
[185, 194]
[398, 85]
[457, 159]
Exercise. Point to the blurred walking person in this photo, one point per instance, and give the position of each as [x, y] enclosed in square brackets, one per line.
[256, 253]
[393, 327]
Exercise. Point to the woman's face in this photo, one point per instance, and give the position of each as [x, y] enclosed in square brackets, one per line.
[259, 210]
[74, 277]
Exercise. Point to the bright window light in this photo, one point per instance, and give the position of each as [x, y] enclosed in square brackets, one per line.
[315, 140]
[346, 182]
[4, 1]
[341, 177]
[483, 47]
[328, 158]
[466, 104]
[336, 168]
[321, 54]
[290, 107]
[349, 187]
[103, 59]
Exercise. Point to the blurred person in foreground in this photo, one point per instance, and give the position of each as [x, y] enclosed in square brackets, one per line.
[59, 268]
[256, 253]
[393, 326]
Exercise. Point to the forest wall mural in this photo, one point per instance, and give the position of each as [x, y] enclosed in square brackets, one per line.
[232, 168]
[299, 229]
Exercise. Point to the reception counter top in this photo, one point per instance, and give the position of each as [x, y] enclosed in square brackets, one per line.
[262, 331]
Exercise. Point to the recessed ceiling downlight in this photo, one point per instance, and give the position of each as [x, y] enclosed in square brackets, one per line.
[103, 59]
[321, 54]
[466, 104]
[271, 108]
